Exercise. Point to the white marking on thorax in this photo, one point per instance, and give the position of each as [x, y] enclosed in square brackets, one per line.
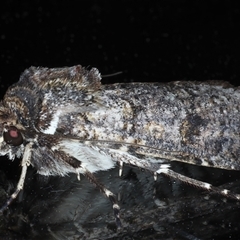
[53, 124]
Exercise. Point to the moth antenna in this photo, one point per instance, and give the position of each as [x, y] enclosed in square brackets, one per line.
[200, 184]
[111, 74]
[108, 194]
[26, 160]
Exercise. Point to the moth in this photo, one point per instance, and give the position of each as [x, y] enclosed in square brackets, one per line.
[63, 120]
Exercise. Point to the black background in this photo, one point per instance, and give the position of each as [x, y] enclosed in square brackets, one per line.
[146, 40]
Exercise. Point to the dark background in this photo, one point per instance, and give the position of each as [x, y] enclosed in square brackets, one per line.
[146, 40]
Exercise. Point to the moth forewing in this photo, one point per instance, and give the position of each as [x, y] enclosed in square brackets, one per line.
[63, 120]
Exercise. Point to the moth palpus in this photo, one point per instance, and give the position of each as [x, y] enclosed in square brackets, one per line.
[62, 120]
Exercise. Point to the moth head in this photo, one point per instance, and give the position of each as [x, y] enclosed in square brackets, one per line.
[11, 138]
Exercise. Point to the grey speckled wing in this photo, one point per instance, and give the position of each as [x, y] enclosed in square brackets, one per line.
[63, 120]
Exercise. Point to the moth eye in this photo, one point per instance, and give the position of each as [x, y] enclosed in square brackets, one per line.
[13, 136]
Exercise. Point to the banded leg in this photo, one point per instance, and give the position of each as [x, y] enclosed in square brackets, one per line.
[225, 192]
[165, 169]
[108, 193]
[26, 161]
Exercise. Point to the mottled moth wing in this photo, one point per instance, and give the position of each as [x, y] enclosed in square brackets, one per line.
[190, 122]
[63, 120]
[193, 122]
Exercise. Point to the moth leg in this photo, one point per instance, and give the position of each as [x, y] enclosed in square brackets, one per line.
[155, 176]
[26, 161]
[120, 168]
[108, 194]
[197, 183]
